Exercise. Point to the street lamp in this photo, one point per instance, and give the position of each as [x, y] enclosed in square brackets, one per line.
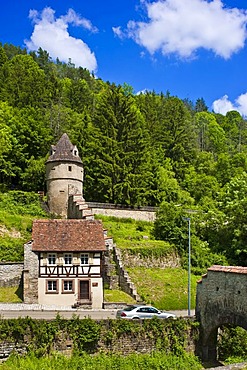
[189, 263]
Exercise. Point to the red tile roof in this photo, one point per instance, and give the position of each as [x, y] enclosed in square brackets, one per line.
[67, 235]
[234, 269]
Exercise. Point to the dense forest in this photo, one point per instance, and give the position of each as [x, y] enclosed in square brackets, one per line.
[137, 149]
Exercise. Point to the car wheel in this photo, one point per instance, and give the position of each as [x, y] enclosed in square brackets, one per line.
[135, 318]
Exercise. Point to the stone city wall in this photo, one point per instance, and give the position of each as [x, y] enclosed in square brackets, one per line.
[220, 300]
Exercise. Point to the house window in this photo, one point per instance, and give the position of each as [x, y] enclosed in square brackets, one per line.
[68, 259]
[51, 258]
[52, 286]
[84, 259]
[68, 286]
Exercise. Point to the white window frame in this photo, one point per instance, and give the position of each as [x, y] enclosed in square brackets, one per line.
[53, 257]
[54, 284]
[68, 256]
[66, 285]
[84, 257]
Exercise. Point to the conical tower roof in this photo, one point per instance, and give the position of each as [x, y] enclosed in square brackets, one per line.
[64, 151]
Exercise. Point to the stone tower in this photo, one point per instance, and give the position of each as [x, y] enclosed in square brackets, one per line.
[64, 175]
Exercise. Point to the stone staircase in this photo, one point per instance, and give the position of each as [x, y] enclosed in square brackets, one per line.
[78, 208]
[125, 282]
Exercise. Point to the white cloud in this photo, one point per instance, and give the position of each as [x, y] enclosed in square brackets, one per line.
[224, 105]
[181, 27]
[118, 32]
[51, 34]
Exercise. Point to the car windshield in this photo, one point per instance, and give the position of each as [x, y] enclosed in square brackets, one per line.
[129, 308]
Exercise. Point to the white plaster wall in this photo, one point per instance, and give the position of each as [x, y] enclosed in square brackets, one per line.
[68, 299]
[59, 170]
[97, 293]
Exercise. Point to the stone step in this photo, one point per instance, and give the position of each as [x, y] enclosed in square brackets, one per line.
[82, 206]
[87, 212]
[78, 197]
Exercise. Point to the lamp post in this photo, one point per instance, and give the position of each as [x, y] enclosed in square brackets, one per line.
[189, 263]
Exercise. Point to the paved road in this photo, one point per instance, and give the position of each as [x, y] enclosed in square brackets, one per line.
[51, 314]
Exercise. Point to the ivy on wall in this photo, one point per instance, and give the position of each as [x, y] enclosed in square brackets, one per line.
[90, 336]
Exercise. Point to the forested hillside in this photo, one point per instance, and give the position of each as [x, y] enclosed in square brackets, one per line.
[146, 149]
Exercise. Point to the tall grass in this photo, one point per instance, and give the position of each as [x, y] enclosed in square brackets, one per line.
[155, 361]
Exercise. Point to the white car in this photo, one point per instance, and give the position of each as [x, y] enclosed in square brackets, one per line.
[143, 312]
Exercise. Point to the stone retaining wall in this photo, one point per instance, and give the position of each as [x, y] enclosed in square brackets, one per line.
[30, 274]
[136, 260]
[111, 340]
[137, 215]
[10, 273]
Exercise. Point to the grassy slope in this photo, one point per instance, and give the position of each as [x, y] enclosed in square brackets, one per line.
[165, 288]
[17, 211]
[15, 230]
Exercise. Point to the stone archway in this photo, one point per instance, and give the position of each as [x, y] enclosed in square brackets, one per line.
[221, 299]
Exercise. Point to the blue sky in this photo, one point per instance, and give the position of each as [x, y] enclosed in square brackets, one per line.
[191, 48]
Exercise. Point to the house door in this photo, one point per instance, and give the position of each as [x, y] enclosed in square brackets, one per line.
[84, 289]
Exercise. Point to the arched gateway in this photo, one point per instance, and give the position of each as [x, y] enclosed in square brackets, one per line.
[221, 299]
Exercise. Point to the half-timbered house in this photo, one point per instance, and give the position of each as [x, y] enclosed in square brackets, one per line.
[63, 263]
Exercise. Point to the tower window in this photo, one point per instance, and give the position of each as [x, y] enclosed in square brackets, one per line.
[75, 152]
[70, 168]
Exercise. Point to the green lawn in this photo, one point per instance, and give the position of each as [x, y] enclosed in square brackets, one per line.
[10, 295]
[117, 296]
[167, 289]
